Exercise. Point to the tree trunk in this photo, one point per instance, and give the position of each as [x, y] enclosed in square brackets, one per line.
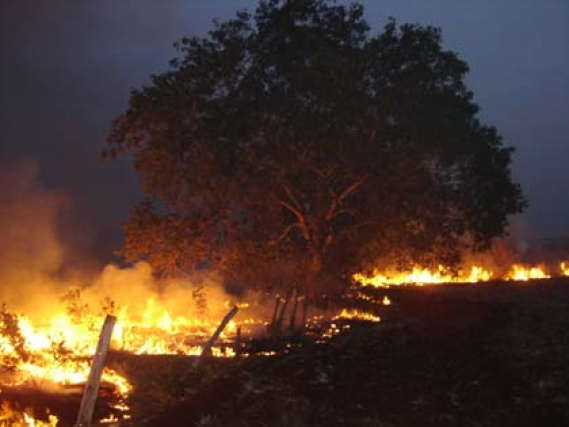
[312, 276]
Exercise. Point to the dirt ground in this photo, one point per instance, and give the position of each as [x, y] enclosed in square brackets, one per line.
[457, 355]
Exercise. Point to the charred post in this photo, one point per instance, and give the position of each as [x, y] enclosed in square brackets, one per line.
[207, 348]
[279, 325]
[292, 323]
[85, 417]
[304, 312]
[273, 323]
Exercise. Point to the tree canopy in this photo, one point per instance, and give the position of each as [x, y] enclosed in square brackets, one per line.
[292, 141]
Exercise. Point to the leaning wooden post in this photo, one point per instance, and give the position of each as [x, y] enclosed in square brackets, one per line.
[279, 325]
[273, 324]
[216, 334]
[292, 323]
[304, 312]
[87, 407]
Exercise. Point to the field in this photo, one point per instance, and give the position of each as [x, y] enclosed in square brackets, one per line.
[453, 355]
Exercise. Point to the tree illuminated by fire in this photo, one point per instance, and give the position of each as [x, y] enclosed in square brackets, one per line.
[292, 142]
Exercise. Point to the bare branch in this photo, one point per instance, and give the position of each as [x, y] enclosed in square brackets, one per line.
[299, 216]
[353, 187]
[337, 200]
[287, 231]
[327, 242]
[337, 213]
[290, 194]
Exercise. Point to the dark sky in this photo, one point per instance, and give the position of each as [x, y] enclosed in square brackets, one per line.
[68, 65]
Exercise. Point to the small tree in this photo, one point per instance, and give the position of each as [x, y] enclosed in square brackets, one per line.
[293, 136]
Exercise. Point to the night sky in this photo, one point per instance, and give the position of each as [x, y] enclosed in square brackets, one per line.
[68, 66]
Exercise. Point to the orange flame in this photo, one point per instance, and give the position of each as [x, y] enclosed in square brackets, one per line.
[564, 266]
[421, 275]
[10, 416]
[357, 315]
[57, 349]
[523, 274]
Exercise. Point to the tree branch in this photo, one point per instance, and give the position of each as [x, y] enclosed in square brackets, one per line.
[287, 231]
[337, 200]
[353, 187]
[291, 195]
[299, 216]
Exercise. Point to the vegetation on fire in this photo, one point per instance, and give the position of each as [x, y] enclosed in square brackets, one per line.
[480, 354]
[292, 145]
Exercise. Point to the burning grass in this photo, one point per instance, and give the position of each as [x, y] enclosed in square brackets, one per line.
[419, 275]
[52, 353]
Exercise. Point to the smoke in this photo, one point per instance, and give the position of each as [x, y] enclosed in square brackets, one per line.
[35, 271]
[30, 251]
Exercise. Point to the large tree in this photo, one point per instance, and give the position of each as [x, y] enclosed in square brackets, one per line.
[295, 137]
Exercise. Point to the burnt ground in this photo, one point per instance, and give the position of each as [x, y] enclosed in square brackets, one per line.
[458, 355]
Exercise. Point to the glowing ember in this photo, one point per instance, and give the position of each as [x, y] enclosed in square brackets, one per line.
[357, 315]
[386, 300]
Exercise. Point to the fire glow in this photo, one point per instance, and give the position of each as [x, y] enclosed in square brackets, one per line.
[55, 352]
[155, 332]
[419, 276]
[564, 266]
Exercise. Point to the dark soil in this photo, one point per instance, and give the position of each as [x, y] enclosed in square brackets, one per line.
[459, 355]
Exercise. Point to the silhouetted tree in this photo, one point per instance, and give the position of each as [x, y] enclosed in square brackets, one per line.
[292, 136]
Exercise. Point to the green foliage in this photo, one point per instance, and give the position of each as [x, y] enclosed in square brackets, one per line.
[292, 139]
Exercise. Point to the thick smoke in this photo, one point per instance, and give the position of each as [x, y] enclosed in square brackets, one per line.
[34, 263]
[30, 252]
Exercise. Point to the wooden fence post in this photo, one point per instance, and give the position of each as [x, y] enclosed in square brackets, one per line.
[85, 417]
[273, 325]
[216, 334]
[279, 325]
[292, 323]
[304, 312]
